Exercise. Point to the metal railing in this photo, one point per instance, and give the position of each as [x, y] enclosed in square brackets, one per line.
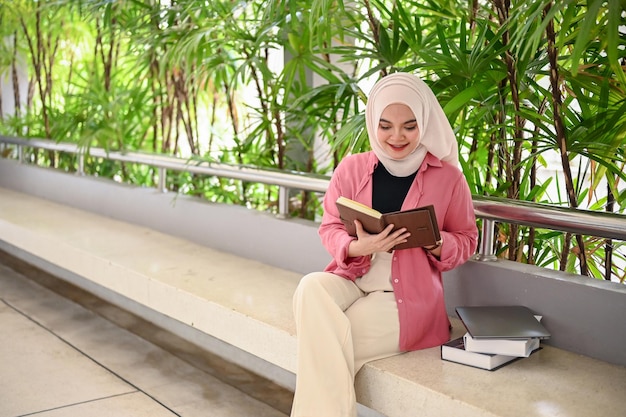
[490, 209]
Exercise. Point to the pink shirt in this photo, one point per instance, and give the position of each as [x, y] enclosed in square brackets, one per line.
[415, 273]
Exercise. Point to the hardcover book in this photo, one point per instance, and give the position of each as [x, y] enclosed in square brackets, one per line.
[510, 347]
[454, 351]
[421, 222]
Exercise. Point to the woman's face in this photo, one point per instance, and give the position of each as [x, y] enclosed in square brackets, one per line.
[398, 133]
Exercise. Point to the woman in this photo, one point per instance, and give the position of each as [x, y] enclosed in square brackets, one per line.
[371, 302]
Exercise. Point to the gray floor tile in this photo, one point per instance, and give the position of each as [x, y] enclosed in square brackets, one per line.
[135, 404]
[40, 371]
[59, 359]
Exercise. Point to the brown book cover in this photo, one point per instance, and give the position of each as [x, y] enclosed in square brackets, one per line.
[421, 222]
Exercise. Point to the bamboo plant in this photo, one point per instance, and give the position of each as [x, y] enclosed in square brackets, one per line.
[282, 84]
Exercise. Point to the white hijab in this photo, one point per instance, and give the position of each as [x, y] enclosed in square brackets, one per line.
[436, 135]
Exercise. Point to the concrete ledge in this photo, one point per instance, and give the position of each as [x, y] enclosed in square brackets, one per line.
[246, 305]
[195, 285]
[226, 228]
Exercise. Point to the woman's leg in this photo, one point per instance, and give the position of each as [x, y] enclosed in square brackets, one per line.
[375, 327]
[325, 368]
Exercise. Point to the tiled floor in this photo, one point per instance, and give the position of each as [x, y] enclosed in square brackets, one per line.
[58, 358]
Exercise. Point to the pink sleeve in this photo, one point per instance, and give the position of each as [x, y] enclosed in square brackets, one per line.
[458, 229]
[334, 236]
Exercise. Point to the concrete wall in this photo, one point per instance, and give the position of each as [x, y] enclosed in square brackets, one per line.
[584, 315]
[290, 244]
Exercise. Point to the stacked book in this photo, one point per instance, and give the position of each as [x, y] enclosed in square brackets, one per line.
[496, 336]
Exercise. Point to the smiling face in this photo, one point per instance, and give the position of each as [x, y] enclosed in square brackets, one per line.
[398, 133]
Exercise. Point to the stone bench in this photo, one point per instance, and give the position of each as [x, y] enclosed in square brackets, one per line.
[244, 306]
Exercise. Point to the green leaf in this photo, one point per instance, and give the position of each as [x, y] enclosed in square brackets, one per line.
[473, 94]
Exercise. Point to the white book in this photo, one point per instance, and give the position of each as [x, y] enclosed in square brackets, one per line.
[510, 347]
[454, 351]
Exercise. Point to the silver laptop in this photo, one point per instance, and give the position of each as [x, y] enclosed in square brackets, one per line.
[501, 322]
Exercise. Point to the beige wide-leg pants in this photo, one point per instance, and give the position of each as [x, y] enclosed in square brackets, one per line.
[341, 325]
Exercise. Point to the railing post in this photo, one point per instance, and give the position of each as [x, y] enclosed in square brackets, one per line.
[81, 164]
[283, 202]
[20, 154]
[486, 250]
[162, 186]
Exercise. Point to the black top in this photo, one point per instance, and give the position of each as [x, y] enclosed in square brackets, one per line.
[388, 191]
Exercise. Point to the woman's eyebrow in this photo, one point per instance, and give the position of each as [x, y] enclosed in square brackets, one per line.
[381, 120]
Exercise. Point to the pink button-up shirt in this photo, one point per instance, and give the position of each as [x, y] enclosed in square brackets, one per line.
[415, 273]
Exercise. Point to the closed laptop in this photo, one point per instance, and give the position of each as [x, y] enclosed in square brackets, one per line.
[501, 322]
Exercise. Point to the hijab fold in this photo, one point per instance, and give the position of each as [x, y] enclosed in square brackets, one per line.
[435, 133]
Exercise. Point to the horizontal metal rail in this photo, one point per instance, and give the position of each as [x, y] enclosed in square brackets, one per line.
[490, 209]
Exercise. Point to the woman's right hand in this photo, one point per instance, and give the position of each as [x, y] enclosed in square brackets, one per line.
[366, 243]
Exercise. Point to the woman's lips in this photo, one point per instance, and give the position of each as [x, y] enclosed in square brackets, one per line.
[398, 147]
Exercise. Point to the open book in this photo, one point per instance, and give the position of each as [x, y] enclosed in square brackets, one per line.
[421, 222]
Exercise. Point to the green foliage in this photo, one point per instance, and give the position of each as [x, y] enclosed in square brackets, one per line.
[282, 84]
